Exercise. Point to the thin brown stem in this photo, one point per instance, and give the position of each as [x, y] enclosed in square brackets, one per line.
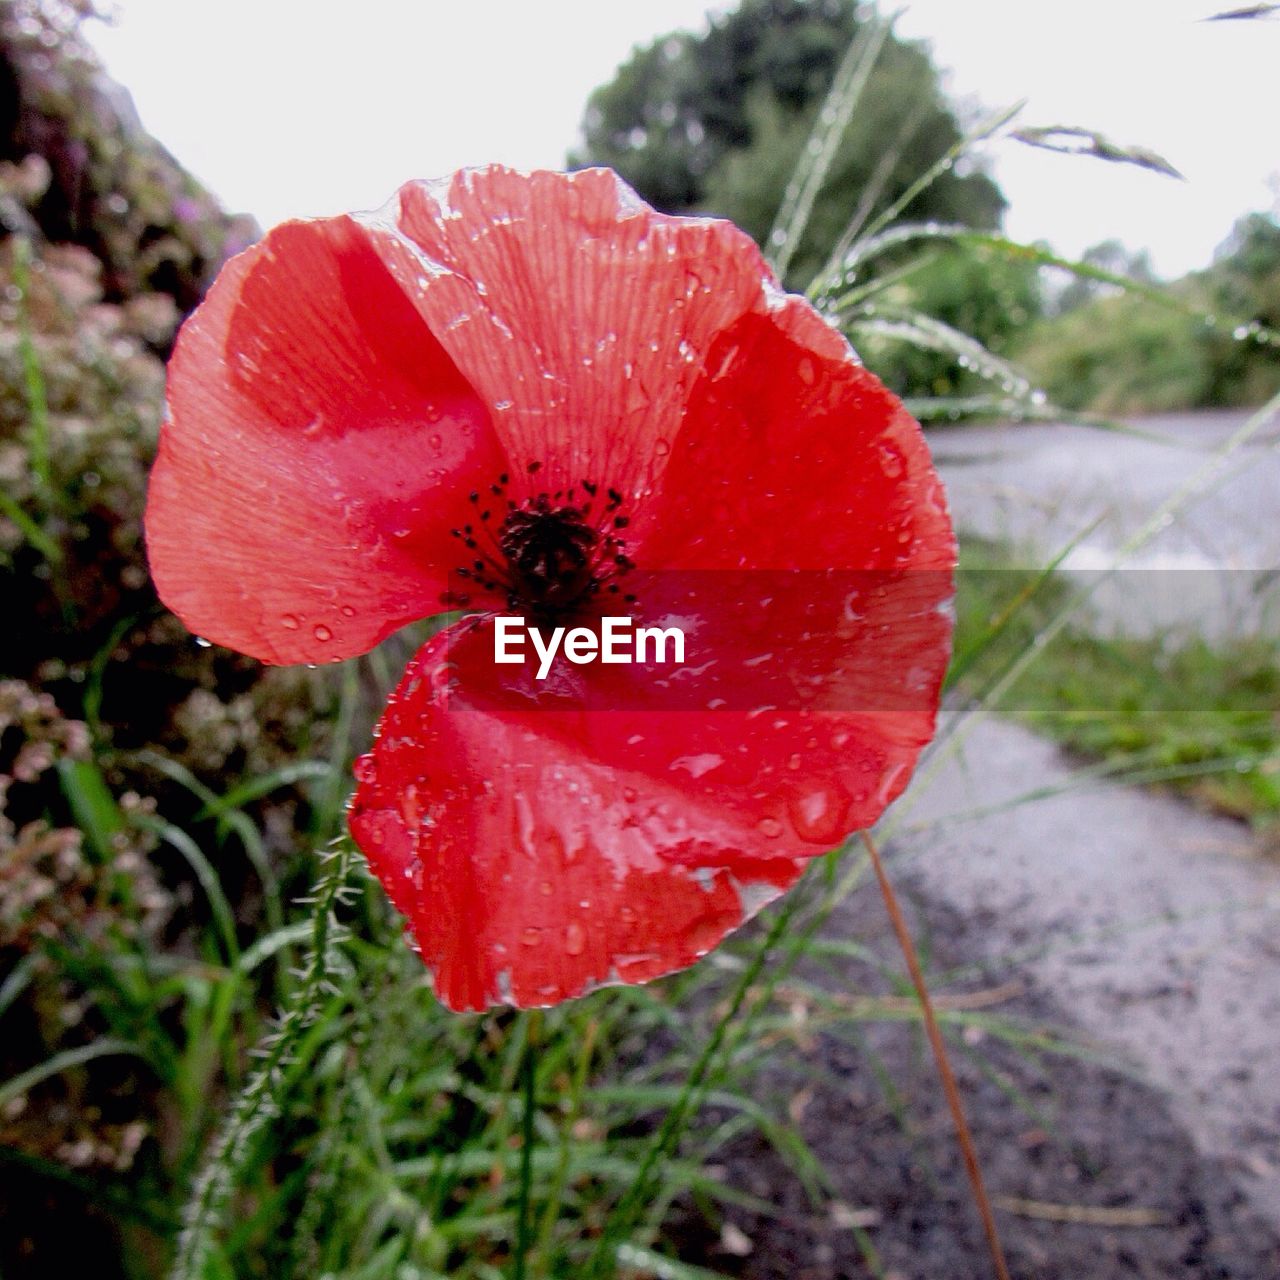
[944, 1063]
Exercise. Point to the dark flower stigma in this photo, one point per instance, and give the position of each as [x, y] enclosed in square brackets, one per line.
[547, 555]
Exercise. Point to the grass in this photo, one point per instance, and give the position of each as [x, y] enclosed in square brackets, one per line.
[1199, 718]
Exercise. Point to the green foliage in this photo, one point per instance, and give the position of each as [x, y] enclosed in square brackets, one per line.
[1121, 355]
[996, 298]
[1109, 256]
[1244, 284]
[1200, 718]
[1212, 340]
[717, 123]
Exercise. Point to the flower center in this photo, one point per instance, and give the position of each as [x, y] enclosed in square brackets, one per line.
[549, 555]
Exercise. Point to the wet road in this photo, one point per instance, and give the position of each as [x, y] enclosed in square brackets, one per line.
[1156, 927]
[1213, 567]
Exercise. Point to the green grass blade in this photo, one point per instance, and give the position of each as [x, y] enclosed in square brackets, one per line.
[830, 127]
[22, 1083]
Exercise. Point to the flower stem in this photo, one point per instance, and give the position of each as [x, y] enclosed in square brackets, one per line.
[940, 1054]
[529, 1076]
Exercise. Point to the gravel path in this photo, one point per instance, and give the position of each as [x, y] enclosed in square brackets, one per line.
[1214, 570]
[1156, 927]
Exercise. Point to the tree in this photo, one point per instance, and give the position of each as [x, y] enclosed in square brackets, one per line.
[715, 123]
[1244, 284]
[1107, 255]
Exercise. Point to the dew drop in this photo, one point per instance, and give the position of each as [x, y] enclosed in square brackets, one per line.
[366, 770]
[696, 765]
[661, 448]
[531, 937]
[769, 827]
[347, 611]
[290, 622]
[322, 633]
[574, 938]
[409, 809]
[891, 460]
[818, 816]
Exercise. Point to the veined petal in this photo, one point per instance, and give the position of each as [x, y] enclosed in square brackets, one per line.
[581, 316]
[793, 455]
[530, 867]
[613, 823]
[319, 445]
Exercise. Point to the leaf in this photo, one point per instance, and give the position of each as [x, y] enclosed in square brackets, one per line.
[27, 1080]
[660, 1266]
[1085, 142]
[832, 122]
[92, 804]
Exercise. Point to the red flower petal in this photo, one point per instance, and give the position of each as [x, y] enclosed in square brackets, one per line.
[319, 446]
[581, 316]
[533, 868]
[610, 823]
[335, 403]
[793, 455]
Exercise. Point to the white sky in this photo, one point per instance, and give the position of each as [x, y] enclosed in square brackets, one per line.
[300, 107]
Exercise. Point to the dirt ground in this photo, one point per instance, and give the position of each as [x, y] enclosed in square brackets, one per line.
[1057, 1135]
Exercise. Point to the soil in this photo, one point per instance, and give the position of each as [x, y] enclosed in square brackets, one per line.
[1056, 1135]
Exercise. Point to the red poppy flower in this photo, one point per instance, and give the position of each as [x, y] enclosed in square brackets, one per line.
[534, 395]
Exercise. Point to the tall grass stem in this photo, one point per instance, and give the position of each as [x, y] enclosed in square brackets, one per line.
[972, 1168]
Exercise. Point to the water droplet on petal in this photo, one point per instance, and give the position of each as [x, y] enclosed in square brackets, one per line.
[531, 937]
[891, 462]
[769, 827]
[290, 622]
[322, 633]
[819, 815]
[661, 448]
[696, 765]
[574, 938]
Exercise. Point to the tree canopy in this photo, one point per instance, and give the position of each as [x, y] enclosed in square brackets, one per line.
[716, 122]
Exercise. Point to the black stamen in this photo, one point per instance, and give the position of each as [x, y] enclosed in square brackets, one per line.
[545, 554]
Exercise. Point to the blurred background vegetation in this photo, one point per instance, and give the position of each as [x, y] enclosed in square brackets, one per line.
[161, 802]
[713, 123]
